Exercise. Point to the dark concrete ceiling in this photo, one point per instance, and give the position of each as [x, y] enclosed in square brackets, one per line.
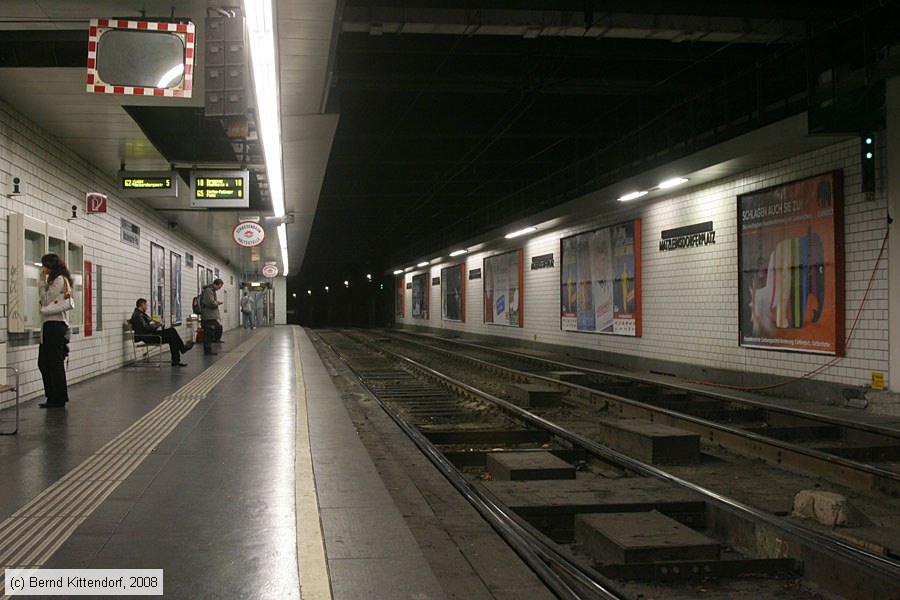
[460, 117]
[458, 120]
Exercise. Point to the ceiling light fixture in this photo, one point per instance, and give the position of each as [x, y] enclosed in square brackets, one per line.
[424, 263]
[458, 252]
[398, 271]
[672, 182]
[632, 196]
[261, 31]
[515, 234]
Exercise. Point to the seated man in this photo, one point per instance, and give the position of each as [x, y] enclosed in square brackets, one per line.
[145, 327]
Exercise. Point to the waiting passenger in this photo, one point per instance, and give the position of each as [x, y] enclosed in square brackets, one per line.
[55, 293]
[209, 316]
[146, 330]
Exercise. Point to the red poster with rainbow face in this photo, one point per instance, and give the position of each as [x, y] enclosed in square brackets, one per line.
[791, 266]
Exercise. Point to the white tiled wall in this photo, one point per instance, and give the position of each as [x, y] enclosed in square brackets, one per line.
[54, 178]
[690, 296]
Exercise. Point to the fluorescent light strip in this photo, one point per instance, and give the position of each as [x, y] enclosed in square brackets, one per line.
[458, 252]
[261, 31]
[672, 182]
[514, 234]
[398, 271]
[424, 263]
[632, 196]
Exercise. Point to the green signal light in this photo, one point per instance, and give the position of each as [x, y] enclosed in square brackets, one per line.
[868, 155]
[869, 140]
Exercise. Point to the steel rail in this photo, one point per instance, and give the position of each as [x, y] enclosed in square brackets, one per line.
[541, 557]
[838, 469]
[817, 545]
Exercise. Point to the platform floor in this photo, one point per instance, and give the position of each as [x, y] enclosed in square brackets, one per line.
[241, 476]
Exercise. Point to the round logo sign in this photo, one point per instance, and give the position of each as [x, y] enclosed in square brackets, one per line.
[248, 234]
[270, 271]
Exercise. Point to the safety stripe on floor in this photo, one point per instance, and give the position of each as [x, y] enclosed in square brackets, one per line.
[312, 565]
[34, 532]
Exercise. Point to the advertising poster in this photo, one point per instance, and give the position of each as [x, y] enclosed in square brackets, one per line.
[201, 279]
[398, 300]
[175, 287]
[791, 266]
[157, 282]
[503, 298]
[420, 296]
[600, 281]
[453, 293]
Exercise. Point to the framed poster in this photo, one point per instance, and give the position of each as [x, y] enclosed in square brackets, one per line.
[453, 294]
[157, 282]
[503, 299]
[600, 281]
[175, 287]
[209, 277]
[420, 296]
[791, 266]
[399, 297]
[201, 278]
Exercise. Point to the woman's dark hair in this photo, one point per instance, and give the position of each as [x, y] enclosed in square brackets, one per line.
[57, 267]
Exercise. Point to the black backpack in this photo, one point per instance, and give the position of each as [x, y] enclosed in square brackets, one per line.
[195, 305]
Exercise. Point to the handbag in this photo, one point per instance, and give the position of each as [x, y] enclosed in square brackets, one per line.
[61, 304]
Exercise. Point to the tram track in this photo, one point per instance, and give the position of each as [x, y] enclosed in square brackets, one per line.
[850, 453]
[453, 415]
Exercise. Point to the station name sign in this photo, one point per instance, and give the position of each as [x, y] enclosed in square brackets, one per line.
[692, 236]
[220, 189]
[145, 184]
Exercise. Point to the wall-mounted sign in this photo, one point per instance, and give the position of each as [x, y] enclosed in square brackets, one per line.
[435, 281]
[409, 285]
[691, 236]
[220, 189]
[188, 259]
[148, 184]
[248, 234]
[131, 234]
[544, 261]
[270, 271]
[475, 274]
[95, 202]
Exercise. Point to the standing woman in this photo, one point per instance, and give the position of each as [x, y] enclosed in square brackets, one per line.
[55, 290]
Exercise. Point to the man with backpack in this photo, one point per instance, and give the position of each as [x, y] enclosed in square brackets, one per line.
[209, 316]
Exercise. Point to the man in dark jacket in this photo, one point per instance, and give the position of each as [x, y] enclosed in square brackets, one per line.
[209, 315]
[147, 330]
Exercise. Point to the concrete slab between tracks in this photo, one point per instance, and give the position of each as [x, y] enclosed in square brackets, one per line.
[529, 464]
[655, 443]
[551, 506]
[627, 538]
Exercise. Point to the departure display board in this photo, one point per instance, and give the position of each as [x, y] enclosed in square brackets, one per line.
[220, 189]
[141, 184]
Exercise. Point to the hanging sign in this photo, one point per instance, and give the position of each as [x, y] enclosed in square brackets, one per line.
[270, 271]
[248, 234]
